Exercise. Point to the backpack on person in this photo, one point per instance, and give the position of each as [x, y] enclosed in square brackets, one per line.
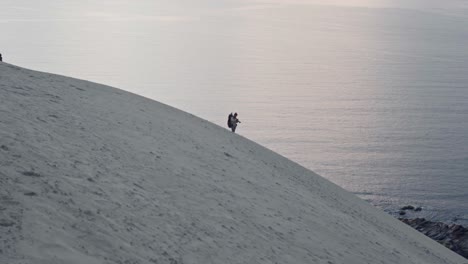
[229, 124]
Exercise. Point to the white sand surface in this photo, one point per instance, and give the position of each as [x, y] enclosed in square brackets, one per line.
[92, 174]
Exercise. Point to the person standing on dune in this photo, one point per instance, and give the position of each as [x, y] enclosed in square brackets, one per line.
[234, 120]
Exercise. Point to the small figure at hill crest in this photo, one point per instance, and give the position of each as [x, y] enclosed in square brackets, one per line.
[232, 121]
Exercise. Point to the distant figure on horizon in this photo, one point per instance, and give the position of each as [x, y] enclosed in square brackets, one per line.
[232, 121]
[1, 59]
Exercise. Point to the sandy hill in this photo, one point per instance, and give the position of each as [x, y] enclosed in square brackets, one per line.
[93, 174]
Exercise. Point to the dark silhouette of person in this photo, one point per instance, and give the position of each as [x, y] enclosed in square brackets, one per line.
[229, 120]
[1, 59]
[234, 121]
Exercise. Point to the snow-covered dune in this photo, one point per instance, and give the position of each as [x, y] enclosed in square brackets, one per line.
[92, 174]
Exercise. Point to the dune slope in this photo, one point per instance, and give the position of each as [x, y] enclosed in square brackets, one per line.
[93, 174]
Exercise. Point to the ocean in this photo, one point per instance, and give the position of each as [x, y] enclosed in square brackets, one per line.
[371, 95]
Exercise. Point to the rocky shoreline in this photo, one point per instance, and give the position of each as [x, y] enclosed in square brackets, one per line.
[453, 236]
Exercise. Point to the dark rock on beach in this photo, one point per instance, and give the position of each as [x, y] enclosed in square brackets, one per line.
[407, 207]
[453, 236]
[411, 208]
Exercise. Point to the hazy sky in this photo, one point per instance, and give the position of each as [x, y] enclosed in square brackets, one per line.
[181, 9]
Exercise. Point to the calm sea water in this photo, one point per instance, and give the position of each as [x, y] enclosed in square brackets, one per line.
[371, 95]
